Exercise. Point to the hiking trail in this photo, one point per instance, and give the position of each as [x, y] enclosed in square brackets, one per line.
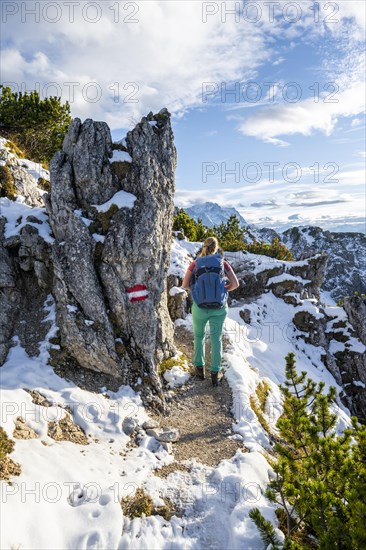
[201, 413]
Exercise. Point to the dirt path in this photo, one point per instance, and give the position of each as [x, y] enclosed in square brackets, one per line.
[201, 413]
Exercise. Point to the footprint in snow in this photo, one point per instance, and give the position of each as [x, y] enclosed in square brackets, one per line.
[93, 541]
[77, 497]
[104, 500]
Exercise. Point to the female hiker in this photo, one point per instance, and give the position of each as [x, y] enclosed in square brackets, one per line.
[209, 292]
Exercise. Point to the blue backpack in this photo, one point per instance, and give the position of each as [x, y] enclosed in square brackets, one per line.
[207, 282]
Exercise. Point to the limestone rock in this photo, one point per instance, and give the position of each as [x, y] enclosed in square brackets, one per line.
[38, 398]
[129, 425]
[9, 468]
[22, 431]
[346, 267]
[150, 424]
[9, 296]
[177, 300]
[168, 447]
[101, 257]
[313, 326]
[66, 430]
[34, 254]
[245, 314]
[87, 148]
[345, 362]
[164, 435]
[25, 184]
[355, 307]
[258, 274]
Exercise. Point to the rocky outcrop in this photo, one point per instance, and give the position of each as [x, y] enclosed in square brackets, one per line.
[346, 270]
[178, 299]
[340, 348]
[24, 182]
[356, 311]
[258, 274]
[9, 296]
[111, 212]
[25, 281]
[33, 254]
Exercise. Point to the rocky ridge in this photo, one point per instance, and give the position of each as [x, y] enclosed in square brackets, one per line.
[346, 269]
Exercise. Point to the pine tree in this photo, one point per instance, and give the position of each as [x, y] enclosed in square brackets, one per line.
[320, 476]
[183, 221]
[265, 528]
[230, 234]
[202, 232]
[355, 471]
[36, 125]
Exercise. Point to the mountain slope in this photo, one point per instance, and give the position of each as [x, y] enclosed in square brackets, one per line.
[213, 214]
[346, 271]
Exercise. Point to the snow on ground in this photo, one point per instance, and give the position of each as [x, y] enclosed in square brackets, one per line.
[65, 484]
[35, 169]
[217, 502]
[121, 199]
[16, 213]
[286, 277]
[181, 255]
[176, 290]
[176, 376]
[121, 156]
[264, 344]
[68, 495]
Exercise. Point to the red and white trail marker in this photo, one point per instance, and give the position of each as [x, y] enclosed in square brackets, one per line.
[137, 293]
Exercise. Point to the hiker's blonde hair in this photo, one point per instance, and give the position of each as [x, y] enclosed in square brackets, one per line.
[210, 246]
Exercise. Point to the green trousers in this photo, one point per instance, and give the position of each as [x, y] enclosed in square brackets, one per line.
[216, 318]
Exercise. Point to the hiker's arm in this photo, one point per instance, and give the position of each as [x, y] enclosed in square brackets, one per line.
[187, 278]
[233, 281]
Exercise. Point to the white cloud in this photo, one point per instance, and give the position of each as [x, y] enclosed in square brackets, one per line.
[166, 55]
[356, 122]
[258, 202]
[273, 141]
[162, 60]
[357, 11]
[305, 116]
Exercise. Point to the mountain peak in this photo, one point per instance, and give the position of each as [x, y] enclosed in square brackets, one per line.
[212, 213]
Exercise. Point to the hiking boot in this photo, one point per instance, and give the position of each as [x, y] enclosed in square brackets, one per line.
[216, 377]
[200, 372]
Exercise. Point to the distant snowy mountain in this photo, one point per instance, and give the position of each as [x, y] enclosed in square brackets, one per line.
[213, 214]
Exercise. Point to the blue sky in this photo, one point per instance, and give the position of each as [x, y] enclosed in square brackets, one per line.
[287, 148]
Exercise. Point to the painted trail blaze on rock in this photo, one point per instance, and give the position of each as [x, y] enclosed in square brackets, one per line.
[137, 293]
